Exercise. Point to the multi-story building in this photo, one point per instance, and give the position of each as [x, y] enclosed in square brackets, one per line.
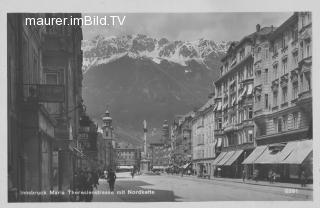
[234, 127]
[159, 155]
[181, 132]
[283, 99]
[203, 140]
[44, 99]
[87, 141]
[128, 158]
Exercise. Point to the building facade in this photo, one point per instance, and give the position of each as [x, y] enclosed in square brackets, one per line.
[181, 132]
[203, 140]
[44, 89]
[283, 96]
[234, 127]
[87, 142]
[128, 159]
[159, 155]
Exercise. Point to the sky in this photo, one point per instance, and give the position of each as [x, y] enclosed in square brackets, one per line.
[189, 26]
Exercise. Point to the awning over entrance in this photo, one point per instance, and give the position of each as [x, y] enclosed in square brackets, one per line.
[268, 157]
[159, 167]
[233, 158]
[300, 152]
[255, 154]
[217, 160]
[226, 158]
[125, 167]
[186, 165]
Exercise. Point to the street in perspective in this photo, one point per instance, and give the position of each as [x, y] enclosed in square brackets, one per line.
[208, 107]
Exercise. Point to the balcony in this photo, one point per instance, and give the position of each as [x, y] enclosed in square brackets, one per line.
[43, 93]
[218, 132]
[230, 127]
[304, 97]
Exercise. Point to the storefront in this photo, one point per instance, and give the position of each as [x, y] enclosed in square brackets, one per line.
[287, 160]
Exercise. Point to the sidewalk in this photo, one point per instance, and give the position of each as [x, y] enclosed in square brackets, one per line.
[252, 182]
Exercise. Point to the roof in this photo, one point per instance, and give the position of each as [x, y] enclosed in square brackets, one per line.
[284, 25]
[207, 105]
[236, 44]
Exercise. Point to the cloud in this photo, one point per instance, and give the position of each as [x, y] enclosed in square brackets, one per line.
[189, 26]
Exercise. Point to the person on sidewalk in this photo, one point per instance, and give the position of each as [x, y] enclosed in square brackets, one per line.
[132, 173]
[274, 175]
[244, 175]
[270, 176]
[303, 179]
[111, 178]
[256, 175]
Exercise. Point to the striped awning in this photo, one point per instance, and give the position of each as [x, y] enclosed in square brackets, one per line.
[255, 154]
[226, 158]
[299, 151]
[233, 158]
[220, 156]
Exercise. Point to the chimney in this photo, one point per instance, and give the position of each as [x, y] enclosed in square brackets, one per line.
[257, 27]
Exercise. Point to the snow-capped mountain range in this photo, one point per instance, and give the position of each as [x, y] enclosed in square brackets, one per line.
[103, 50]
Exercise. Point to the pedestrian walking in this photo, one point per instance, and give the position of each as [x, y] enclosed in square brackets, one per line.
[81, 184]
[89, 186]
[274, 175]
[95, 177]
[111, 178]
[132, 173]
[256, 174]
[270, 176]
[303, 179]
[244, 175]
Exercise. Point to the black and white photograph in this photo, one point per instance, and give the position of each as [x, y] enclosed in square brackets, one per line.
[159, 106]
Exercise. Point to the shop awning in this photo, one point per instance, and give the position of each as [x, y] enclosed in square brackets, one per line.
[233, 158]
[125, 167]
[217, 160]
[226, 158]
[159, 167]
[270, 157]
[186, 165]
[255, 154]
[301, 151]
